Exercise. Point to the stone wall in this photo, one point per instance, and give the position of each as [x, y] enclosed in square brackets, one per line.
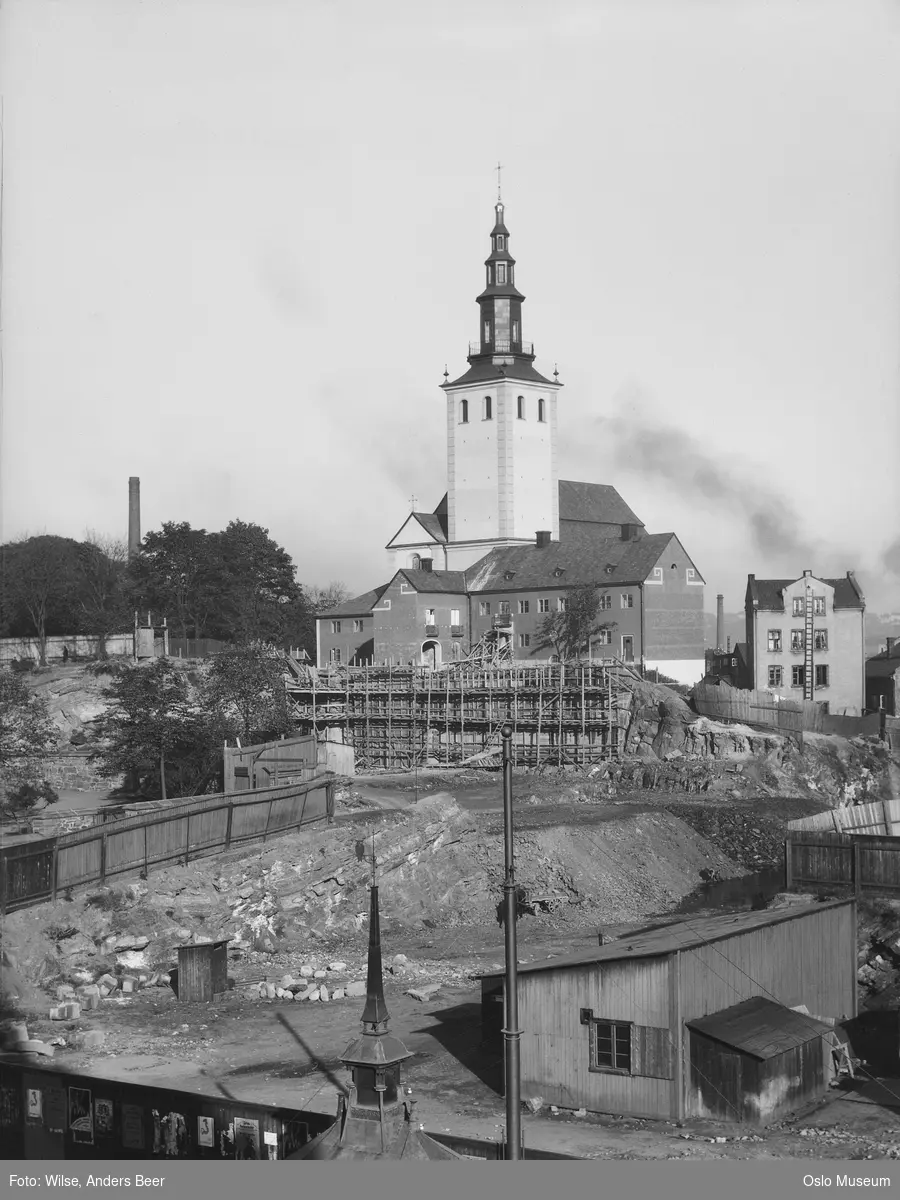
[73, 769]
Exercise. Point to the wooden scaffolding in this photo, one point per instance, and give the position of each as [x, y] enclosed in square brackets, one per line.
[403, 717]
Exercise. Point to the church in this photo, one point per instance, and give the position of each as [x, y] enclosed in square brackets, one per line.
[509, 541]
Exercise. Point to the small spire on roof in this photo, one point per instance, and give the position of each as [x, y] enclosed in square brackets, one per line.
[375, 1013]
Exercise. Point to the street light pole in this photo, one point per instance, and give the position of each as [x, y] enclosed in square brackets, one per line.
[512, 1032]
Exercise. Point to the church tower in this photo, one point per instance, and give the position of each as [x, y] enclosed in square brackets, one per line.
[502, 476]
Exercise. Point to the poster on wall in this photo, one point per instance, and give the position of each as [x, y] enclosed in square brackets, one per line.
[205, 1131]
[81, 1116]
[246, 1138]
[55, 1110]
[132, 1127]
[9, 1107]
[34, 1104]
[103, 1117]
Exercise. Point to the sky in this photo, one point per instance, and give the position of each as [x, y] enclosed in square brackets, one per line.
[242, 238]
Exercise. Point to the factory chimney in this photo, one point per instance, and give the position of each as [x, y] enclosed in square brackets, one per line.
[720, 621]
[134, 515]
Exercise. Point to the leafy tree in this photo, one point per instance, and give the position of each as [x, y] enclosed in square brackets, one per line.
[39, 584]
[246, 686]
[330, 596]
[158, 733]
[569, 632]
[178, 573]
[100, 577]
[258, 584]
[27, 735]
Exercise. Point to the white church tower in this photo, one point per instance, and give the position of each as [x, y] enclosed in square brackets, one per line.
[502, 476]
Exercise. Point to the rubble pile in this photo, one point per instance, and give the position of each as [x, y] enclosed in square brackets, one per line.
[878, 956]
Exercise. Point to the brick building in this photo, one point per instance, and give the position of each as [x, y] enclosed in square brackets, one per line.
[806, 639]
[509, 539]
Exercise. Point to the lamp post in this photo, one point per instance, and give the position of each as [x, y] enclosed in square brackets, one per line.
[512, 1032]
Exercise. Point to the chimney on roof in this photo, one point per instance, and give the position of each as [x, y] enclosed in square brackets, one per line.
[889, 646]
[720, 620]
[543, 537]
[426, 564]
[807, 574]
[630, 531]
[134, 515]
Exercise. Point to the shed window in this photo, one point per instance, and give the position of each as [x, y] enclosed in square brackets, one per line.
[611, 1046]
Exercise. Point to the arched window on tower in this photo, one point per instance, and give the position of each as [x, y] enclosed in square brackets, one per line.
[488, 413]
[463, 412]
[415, 562]
[501, 272]
[520, 408]
[541, 416]
[501, 241]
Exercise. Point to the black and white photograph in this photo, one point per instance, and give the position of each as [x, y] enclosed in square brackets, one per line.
[450, 589]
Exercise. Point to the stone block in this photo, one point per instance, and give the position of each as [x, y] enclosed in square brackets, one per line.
[313, 994]
[64, 991]
[356, 988]
[306, 971]
[89, 1039]
[338, 994]
[128, 983]
[337, 966]
[107, 981]
[302, 993]
[323, 994]
[319, 974]
[424, 993]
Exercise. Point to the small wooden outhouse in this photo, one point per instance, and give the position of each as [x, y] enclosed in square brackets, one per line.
[202, 971]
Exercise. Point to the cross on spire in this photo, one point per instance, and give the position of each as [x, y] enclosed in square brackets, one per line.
[499, 169]
[413, 501]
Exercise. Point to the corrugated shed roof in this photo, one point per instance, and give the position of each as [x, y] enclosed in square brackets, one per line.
[586, 556]
[681, 935]
[760, 1027]
[593, 502]
[768, 593]
[359, 606]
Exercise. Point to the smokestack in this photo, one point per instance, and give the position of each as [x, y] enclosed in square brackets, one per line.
[720, 621]
[134, 515]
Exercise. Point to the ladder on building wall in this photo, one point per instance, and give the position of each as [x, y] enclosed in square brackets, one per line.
[808, 668]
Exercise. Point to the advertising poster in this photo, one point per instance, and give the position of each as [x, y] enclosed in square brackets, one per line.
[132, 1127]
[81, 1115]
[55, 1109]
[205, 1131]
[103, 1117]
[246, 1138]
[34, 1104]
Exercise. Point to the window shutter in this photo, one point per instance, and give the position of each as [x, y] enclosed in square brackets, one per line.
[651, 1052]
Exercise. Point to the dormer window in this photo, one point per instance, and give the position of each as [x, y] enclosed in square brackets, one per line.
[541, 416]
[509, 575]
[501, 242]
[501, 272]
[559, 571]
[488, 410]
[520, 408]
[463, 412]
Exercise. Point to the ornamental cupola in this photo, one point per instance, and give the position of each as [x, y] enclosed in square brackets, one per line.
[501, 301]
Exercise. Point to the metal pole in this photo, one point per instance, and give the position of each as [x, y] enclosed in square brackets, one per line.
[512, 1032]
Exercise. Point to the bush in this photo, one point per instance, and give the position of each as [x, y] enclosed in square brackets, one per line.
[24, 798]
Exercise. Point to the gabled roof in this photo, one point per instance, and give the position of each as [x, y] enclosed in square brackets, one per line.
[680, 935]
[434, 581]
[768, 593]
[593, 502]
[359, 606]
[585, 556]
[432, 523]
[760, 1027]
[887, 655]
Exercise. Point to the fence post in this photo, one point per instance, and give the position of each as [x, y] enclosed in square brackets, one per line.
[228, 825]
[54, 878]
[146, 856]
[187, 840]
[103, 858]
[329, 801]
[857, 882]
[788, 865]
[268, 819]
[3, 879]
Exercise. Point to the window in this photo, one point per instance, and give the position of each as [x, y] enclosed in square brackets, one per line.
[605, 603]
[543, 606]
[562, 604]
[627, 600]
[515, 336]
[501, 272]
[335, 654]
[487, 331]
[455, 650]
[776, 677]
[604, 637]
[524, 639]
[821, 676]
[454, 616]
[500, 241]
[429, 616]
[540, 410]
[611, 1046]
[503, 607]
[415, 562]
[484, 608]
[774, 641]
[487, 408]
[520, 408]
[463, 412]
[798, 606]
[798, 676]
[357, 626]
[819, 606]
[820, 639]
[490, 275]
[524, 606]
[335, 627]
[796, 641]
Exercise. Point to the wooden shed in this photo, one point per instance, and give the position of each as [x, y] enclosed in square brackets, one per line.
[202, 971]
[609, 1029]
[757, 1061]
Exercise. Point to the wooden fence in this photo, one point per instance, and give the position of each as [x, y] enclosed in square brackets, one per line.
[290, 760]
[878, 817]
[865, 863]
[755, 707]
[37, 871]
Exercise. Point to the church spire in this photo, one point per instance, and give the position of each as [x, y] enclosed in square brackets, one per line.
[375, 1014]
[501, 302]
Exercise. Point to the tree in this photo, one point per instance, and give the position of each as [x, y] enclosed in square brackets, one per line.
[27, 735]
[156, 731]
[246, 686]
[330, 596]
[100, 576]
[258, 584]
[569, 632]
[178, 573]
[39, 581]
